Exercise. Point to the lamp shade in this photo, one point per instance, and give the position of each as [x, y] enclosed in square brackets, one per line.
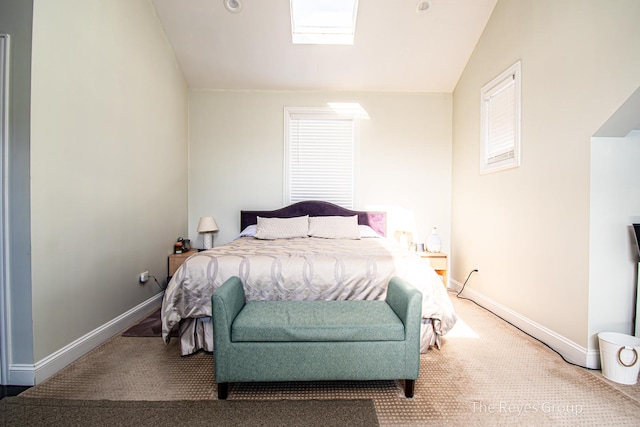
[207, 224]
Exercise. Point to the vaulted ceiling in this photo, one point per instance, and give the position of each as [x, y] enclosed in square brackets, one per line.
[395, 48]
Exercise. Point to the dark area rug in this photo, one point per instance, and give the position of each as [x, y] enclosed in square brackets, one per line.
[150, 326]
[24, 411]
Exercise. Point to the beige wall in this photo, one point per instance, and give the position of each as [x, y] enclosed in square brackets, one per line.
[108, 163]
[236, 154]
[527, 229]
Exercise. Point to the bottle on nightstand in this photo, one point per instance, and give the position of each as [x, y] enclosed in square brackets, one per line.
[434, 243]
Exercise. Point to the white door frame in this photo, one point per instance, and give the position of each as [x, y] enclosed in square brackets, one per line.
[5, 339]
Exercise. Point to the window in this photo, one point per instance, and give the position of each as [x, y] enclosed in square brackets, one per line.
[500, 125]
[323, 21]
[320, 156]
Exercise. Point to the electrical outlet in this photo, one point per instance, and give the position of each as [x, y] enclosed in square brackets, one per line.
[144, 277]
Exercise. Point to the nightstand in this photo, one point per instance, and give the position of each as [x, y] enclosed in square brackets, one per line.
[439, 262]
[176, 260]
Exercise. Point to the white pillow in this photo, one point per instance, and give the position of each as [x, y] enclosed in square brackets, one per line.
[366, 231]
[282, 228]
[334, 227]
[250, 231]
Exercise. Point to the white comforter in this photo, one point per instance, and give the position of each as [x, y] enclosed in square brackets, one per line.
[300, 269]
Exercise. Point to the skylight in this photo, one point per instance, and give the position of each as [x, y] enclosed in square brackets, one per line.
[323, 21]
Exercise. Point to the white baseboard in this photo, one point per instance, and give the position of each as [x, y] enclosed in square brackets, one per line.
[571, 351]
[23, 374]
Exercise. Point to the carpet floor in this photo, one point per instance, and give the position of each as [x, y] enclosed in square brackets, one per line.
[150, 326]
[487, 373]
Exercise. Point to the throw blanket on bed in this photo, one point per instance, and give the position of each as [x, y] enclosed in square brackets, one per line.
[300, 269]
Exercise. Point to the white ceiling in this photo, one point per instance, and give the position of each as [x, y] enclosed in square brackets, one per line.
[395, 48]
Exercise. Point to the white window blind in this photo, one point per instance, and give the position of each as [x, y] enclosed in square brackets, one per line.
[320, 156]
[500, 137]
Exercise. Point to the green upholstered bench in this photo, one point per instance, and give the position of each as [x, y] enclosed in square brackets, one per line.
[316, 340]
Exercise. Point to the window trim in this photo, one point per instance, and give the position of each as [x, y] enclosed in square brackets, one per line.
[322, 112]
[489, 89]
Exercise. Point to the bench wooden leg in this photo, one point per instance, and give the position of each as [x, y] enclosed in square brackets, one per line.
[223, 391]
[409, 386]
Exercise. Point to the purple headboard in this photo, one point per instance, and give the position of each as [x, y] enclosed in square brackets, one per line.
[375, 220]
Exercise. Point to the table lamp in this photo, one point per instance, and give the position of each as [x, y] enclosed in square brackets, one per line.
[207, 225]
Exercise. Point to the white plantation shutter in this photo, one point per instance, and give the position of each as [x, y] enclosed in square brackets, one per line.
[320, 156]
[501, 122]
[500, 119]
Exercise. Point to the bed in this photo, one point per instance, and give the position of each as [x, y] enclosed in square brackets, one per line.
[306, 251]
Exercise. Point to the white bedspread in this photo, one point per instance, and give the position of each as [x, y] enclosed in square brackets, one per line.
[300, 269]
